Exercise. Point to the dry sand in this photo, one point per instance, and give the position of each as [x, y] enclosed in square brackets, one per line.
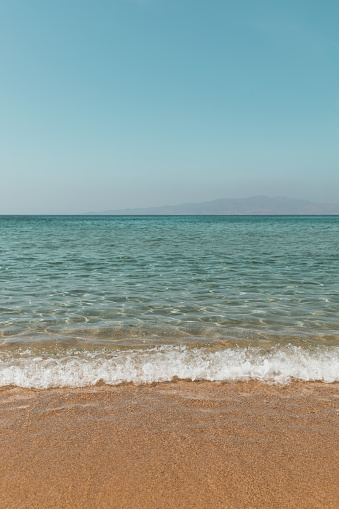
[171, 445]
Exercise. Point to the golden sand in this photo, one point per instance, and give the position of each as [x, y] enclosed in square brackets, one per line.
[171, 445]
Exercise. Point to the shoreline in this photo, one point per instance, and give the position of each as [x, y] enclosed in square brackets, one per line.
[280, 364]
[178, 444]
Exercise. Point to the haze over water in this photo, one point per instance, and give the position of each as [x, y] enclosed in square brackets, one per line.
[151, 298]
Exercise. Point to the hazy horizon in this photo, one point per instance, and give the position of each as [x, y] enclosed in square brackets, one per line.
[141, 103]
[248, 201]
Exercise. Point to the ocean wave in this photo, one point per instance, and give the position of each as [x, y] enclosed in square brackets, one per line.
[78, 369]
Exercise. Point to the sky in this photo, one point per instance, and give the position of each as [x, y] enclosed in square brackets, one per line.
[111, 104]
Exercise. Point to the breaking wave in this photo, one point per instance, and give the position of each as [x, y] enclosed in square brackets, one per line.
[79, 369]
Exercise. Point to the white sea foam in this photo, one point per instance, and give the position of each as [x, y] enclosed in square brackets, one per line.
[277, 365]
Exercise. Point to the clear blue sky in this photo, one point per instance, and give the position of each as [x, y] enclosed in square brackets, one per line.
[109, 104]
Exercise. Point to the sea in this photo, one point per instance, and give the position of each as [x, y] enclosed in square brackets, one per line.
[142, 299]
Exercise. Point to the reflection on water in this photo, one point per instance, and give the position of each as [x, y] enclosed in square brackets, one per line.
[124, 281]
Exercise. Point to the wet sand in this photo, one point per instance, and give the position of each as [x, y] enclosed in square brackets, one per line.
[171, 445]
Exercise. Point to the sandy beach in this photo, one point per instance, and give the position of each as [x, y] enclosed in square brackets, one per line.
[171, 445]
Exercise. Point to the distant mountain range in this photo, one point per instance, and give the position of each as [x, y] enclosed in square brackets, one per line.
[255, 205]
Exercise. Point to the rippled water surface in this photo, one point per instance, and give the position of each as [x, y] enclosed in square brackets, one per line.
[216, 280]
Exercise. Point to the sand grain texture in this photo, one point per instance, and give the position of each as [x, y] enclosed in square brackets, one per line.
[171, 445]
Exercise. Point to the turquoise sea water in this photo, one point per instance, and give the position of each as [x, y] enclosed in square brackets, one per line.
[97, 288]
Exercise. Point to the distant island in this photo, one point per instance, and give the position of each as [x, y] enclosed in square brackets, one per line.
[255, 205]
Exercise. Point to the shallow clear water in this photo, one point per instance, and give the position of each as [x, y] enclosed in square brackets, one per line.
[110, 283]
